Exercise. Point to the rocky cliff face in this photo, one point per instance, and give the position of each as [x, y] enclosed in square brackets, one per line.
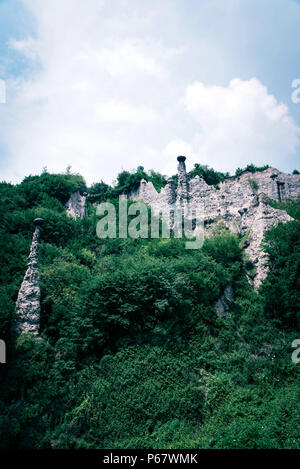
[241, 204]
[183, 183]
[258, 219]
[76, 206]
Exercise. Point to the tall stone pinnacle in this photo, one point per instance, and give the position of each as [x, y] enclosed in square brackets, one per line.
[28, 301]
[183, 185]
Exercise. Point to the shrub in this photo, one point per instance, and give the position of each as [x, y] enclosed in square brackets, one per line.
[253, 184]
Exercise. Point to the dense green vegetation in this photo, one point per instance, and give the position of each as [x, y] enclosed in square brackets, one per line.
[251, 168]
[210, 176]
[253, 184]
[131, 352]
[213, 178]
[126, 182]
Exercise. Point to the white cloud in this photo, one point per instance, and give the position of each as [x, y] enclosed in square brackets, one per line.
[116, 111]
[237, 124]
[88, 101]
[178, 147]
[112, 86]
[127, 59]
[26, 46]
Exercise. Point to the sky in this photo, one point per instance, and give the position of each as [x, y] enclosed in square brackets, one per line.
[108, 85]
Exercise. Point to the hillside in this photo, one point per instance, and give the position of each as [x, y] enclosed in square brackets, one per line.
[131, 352]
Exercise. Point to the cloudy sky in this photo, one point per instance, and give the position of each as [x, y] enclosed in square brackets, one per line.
[106, 85]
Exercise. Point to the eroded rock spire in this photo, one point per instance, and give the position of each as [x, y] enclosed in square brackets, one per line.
[183, 186]
[28, 301]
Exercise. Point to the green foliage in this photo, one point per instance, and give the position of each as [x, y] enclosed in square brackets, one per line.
[99, 191]
[34, 189]
[210, 176]
[129, 181]
[292, 207]
[131, 352]
[131, 394]
[281, 290]
[253, 184]
[282, 287]
[126, 183]
[158, 180]
[250, 168]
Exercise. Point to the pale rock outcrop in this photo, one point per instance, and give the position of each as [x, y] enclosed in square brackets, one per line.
[241, 204]
[183, 184]
[28, 301]
[258, 219]
[222, 305]
[170, 192]
[76, 206]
